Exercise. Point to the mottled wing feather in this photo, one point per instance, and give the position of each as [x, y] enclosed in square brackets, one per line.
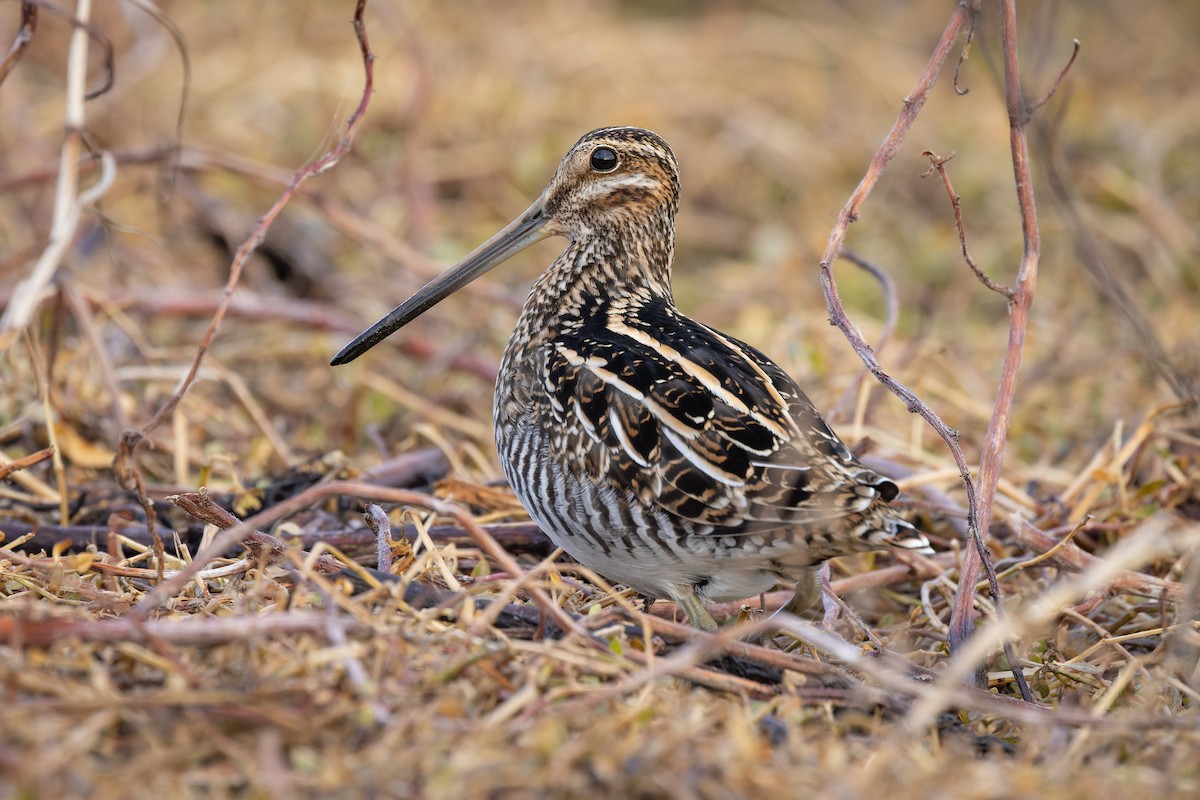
[699, 424]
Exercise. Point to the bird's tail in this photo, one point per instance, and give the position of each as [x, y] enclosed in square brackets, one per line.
[885, 529]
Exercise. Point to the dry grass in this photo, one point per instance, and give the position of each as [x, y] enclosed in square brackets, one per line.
[269, 677]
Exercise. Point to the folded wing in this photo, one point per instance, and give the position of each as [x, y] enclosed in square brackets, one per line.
[699, 424]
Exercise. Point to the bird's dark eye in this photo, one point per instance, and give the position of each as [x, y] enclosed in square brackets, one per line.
[604, 159]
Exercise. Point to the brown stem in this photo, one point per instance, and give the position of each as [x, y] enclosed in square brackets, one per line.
[939, 164]
[24, 462]
[992, 457]
[964, 12]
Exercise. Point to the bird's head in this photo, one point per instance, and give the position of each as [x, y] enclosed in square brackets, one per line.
[612, 178]
[619, 182]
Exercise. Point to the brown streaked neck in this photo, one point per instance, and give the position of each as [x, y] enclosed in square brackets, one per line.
[613, 262]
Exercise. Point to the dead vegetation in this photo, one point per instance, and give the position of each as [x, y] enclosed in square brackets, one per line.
[311, 652]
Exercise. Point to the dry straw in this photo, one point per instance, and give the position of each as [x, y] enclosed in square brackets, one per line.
[259, 638]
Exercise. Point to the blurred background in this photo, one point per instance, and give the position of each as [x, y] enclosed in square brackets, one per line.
[774, 110]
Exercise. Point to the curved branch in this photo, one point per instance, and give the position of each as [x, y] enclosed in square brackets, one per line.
[963, 15]
[992, 457]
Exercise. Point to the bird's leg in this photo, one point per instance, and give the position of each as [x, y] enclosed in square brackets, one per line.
[685, 598]
[831, 602]
[808, 589]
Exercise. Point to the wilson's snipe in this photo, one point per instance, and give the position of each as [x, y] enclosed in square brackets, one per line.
[659, 452]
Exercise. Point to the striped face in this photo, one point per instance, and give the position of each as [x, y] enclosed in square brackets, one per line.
[612, 178]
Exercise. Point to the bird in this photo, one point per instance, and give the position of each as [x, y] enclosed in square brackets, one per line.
[656, 451]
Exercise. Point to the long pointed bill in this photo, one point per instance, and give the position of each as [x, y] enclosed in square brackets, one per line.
[520, 233]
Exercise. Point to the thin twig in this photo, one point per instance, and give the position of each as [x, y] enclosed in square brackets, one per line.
[938, 164]
[29, 19]
[963, 13]
[891, 318]
[962, 58]
[256, 237]
[252, 305]
[1071, 557]
[80, 22]
[185, 90]
[67, 205]
[199, 630]
[518, 536]
[124, 466]
[83, 318]
[1057, 81]
[42, 366]
[891, 300]
[1050, 544]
